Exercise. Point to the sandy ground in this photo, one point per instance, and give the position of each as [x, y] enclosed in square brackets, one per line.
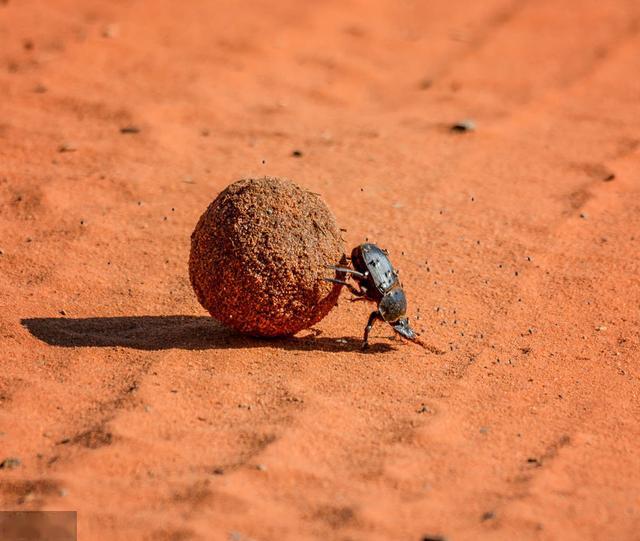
[518, 247]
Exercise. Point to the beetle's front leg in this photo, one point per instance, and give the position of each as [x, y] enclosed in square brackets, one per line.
[372, 319]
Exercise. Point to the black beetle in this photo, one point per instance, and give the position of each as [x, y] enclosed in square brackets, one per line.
[378, 282]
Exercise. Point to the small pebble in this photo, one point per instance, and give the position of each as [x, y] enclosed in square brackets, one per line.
[67, 147]
[130, 129]
[297, 154]
[111, 31]
[467, 125]
[10, 463]
[425, 84]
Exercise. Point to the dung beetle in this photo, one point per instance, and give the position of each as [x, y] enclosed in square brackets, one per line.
[377, 282]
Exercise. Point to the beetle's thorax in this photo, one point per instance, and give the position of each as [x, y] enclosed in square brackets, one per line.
[393, 305]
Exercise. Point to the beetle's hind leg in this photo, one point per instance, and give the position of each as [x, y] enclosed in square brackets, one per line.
[372, 319]
[350, 287]
[347, 270]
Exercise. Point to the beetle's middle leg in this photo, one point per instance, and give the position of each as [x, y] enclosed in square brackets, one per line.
[372, 319]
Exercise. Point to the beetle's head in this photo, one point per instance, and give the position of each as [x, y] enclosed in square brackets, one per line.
[403, 328]
[393, 307]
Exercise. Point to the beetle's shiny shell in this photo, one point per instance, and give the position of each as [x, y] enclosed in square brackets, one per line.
[376, 262]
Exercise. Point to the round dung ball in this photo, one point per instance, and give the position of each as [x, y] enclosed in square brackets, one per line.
[258, 256]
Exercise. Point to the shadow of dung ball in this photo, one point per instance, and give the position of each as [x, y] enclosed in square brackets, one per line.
[258, 254]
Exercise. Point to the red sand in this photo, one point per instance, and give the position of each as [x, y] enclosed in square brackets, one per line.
[520, 255]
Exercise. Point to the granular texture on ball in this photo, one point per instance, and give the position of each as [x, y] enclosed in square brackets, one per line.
[258, 256]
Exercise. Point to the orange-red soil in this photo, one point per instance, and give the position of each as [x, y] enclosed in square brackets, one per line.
[518, 246]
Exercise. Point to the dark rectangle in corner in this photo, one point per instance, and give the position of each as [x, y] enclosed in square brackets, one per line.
[38, 526]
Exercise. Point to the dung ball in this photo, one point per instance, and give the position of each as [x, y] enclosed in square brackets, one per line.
[258, 256]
